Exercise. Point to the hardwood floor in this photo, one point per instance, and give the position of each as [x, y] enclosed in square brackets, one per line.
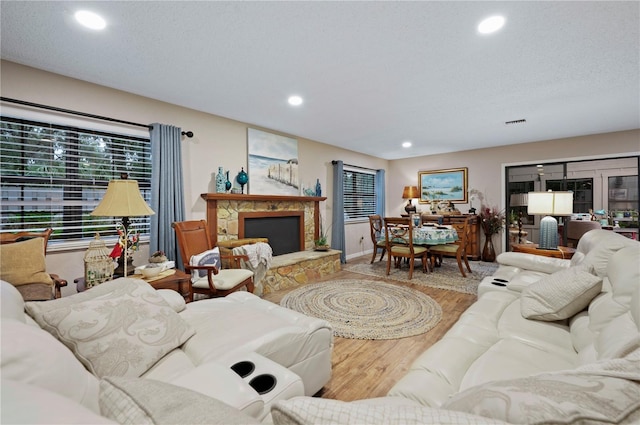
[367, 369]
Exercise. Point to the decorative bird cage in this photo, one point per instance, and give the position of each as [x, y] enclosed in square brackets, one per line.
[98, 265]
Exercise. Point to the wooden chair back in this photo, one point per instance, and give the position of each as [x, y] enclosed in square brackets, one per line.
[377, 236]
[193, 238]
[399, 243]
[457, 250]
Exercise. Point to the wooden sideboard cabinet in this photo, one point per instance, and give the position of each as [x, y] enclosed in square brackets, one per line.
[456, 222]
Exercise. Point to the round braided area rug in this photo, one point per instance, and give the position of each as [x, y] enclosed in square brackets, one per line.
[366, 309]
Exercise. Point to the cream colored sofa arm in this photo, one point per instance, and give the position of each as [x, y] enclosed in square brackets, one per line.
[532, 262]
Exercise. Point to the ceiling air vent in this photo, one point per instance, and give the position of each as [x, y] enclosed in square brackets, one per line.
[521, 121]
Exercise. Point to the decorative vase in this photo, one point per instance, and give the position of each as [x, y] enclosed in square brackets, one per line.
[220, 181]
[242, 178]
[318, 188]
[488, 252]
[227, 184]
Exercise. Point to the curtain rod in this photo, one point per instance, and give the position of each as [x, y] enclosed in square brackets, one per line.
[354, 166]
[83, 114]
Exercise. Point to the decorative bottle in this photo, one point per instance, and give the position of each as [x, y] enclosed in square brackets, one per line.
[227, 184]
[318, 188]
[242, 178]
[220, 181]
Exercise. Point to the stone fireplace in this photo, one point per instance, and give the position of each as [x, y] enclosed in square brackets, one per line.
[227, 217]
[230, 215]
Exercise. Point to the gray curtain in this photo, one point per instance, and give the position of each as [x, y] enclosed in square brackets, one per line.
[380, 200]
[337, 228]
[167, 189]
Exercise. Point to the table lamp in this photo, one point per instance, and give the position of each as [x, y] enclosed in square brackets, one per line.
[409, 193]
[123, 199]
[549, 204]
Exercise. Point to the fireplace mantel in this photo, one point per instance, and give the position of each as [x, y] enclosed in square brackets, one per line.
[246, 202]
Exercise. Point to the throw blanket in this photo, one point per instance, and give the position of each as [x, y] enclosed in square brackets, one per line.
[260, 255]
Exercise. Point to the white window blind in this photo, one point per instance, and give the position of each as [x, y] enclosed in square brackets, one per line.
[55, 175]
[359, 194]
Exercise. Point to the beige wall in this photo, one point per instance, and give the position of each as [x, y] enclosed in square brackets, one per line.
[222, 142]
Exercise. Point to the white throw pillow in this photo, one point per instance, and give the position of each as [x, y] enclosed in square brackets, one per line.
[207, 258]
[555, 398]
[311, 410]
[559, 295]
[146, 401]
[122, 333]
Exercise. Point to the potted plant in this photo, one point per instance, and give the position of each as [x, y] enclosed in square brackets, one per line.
[321, 244]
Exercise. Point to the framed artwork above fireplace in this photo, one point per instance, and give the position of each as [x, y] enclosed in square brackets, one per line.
[272, 164]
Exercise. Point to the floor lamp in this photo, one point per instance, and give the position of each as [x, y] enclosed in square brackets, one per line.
[549, 204]
[123, 199]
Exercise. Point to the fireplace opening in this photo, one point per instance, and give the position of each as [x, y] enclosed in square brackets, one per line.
[285, 230]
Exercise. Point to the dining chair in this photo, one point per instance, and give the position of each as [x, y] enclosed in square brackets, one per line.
[377, 229]
[35, 291]
[457, 249]
[199, 258]
[399, 243]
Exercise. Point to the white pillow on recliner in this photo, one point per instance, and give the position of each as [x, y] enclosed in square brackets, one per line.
[560, 295]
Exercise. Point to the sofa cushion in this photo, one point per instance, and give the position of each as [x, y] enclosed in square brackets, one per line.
[22, 403]
[383, 411]
[31, 355]
[147, 401]
[606, 392]
[560, 295]
[122, 332]
[23, 263]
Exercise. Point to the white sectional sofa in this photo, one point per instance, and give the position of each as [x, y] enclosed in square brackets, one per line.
[142, 354]
[560, 343]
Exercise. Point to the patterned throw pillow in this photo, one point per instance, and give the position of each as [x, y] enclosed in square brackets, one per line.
[121, 332]
[147, 401]
[559, 295]
[207, 258]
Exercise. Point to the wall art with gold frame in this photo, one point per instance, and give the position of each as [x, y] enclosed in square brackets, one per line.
[443, 185]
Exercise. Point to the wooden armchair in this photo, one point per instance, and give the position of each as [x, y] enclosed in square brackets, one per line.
[399, 240]
[194, 240]
[36, 291]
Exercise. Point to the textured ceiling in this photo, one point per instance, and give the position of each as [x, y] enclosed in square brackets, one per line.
[373, 74]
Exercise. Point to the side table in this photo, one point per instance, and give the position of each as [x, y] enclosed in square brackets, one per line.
[532, 248]
[178, 281]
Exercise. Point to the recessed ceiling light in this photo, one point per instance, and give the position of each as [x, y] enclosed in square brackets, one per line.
[491, 24]
[90, 20]
[406, 144]
[295, 100]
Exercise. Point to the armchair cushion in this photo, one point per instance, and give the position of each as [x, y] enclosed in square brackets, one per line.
[210, 257]
[560, 295]
[225, 279]
[147, 401]
[120, 328]
[23, 263]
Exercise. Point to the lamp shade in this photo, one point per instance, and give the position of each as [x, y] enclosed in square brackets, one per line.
[550, 203]
[519, 199]
[122, 199]
[410, 192]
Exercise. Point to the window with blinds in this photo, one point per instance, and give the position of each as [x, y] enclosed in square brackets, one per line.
[359, 194]
[54, 176]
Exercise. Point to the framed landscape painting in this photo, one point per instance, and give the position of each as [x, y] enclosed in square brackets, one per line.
[443, 185]
[272, 164]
